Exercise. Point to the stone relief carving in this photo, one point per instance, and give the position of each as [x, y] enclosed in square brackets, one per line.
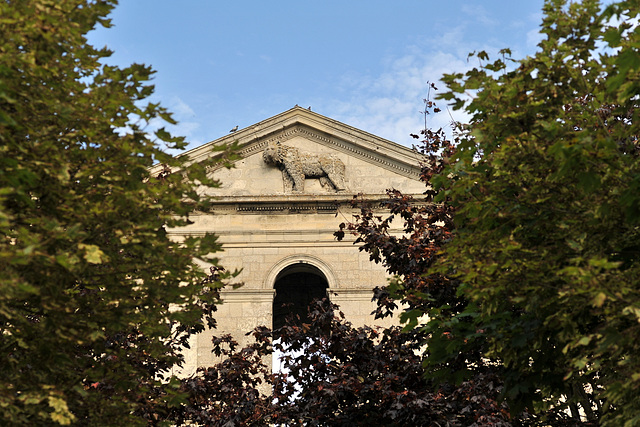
[297, 166]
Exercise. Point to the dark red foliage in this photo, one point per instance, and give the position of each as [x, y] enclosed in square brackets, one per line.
[340, 376]
[426, 227]
[228, 393]
[370, 376]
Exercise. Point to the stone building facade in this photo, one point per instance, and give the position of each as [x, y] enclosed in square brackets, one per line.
[276, 213]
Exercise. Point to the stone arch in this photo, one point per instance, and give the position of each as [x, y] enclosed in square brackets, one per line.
[297, 282]
[314, 261]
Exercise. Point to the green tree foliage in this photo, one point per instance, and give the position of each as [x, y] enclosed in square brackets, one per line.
[95, 300]
[546, 187]
[449, 365]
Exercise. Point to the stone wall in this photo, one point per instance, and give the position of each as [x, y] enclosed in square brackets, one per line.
[261, 245]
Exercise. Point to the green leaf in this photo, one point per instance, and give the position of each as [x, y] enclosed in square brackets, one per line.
[92, 253]
[61, 413]
[632, 310]
[599, 299]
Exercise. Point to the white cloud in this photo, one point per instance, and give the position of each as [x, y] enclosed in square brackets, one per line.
[479, 14]
[188, 122]
[180, 108]
[389, 105]
[533, 38]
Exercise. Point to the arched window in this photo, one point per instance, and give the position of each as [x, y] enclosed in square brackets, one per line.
[296, 286]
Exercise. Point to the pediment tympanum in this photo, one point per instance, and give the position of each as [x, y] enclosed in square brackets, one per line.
[301, 153]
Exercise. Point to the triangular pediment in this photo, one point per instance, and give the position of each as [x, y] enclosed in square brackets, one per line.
[340, 160]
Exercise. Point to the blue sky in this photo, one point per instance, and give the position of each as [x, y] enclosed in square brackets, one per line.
[366, 63]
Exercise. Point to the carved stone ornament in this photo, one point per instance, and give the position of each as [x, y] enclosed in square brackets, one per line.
[297, 166]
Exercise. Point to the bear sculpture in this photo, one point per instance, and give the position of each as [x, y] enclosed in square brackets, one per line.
[297, 166]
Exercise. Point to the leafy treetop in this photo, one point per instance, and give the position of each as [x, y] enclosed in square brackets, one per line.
[96, 301]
